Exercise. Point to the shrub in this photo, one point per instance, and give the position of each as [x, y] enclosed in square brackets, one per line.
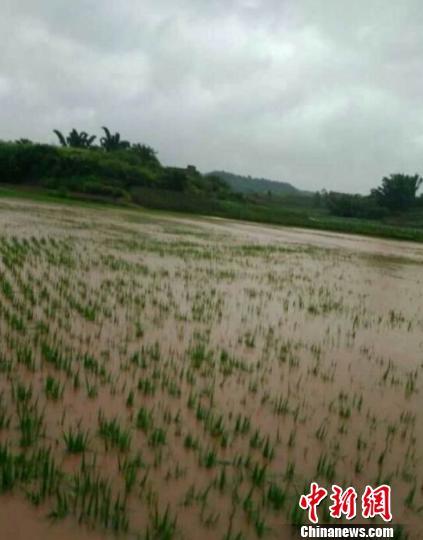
[346, 205]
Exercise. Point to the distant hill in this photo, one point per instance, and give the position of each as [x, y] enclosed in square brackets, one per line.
[248, 184]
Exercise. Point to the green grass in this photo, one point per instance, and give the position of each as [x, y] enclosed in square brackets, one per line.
[161, 202]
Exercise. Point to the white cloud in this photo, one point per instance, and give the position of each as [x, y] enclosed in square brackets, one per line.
[320, 94]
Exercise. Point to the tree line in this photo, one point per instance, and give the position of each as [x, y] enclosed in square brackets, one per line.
[110, 142]
[113, 168]
[396, 193]
[117, 168]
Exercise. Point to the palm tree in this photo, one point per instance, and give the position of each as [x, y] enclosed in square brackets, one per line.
[113, 142]
[75, 139]
[60, 137]
[80, 140]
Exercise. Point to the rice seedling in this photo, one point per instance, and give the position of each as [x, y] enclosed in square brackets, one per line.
[76, 440]
[53, 389]
[157, 437]
[258, 474]
[152, 367]
[275, 496]
[31, 423]
[113, 433]
[163, 525]
[5, 417]
[128, 467]
[144, 419]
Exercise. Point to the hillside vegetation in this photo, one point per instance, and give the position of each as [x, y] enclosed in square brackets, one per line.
[120, 172]
[248, 184]
[95, 171]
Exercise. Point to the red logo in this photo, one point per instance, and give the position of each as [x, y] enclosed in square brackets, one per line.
[344, 502]
[374, 502]
[311, 501]
[377, 502]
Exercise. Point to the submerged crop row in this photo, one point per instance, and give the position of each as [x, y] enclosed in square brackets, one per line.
[163, 379]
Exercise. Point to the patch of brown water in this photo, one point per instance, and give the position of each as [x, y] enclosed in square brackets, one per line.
[296, 351]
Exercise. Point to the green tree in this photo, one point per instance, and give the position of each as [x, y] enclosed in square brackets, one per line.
[113, 142]
[75, 139]
[349, 205]
[175, 179]
[61, 137]
[147, 154]
[398, 191]
[317, 199]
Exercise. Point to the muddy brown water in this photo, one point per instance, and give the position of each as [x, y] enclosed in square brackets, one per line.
[265, 358]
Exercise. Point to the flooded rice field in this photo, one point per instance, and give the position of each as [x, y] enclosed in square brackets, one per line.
[165, 377]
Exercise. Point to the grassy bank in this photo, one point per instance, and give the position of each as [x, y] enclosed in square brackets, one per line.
[274, 212]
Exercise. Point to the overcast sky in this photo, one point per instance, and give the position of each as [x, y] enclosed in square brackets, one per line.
[321, 93]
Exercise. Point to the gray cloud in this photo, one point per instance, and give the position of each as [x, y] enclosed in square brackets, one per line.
[323, 94]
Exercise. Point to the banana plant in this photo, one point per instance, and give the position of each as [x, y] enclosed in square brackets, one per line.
[75, 139]
[113, 142]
